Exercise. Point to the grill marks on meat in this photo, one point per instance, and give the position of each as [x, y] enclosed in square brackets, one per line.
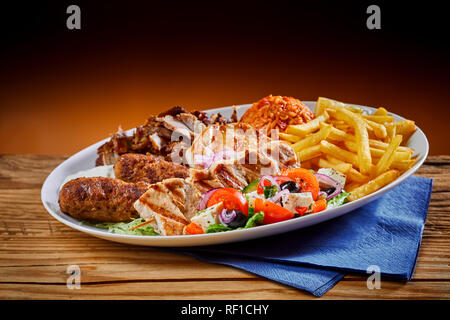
[100, 199]
[169, 205]
[203, 180]
[241, 171]
[132, 167]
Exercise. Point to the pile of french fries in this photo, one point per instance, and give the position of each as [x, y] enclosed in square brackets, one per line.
[369, 149]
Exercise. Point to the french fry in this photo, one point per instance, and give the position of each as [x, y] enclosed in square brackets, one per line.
[391, 132]
[337, 122]
[351, 186]
[380, 112]
[335, 151]
[312, 139]
[388, 157]
[341, 167]
[344, 127]
[289, 137]
[339, 135]
[378, 129]
[402, 165]
[325, 103]
[309, 153]
[334, 160]
[353, 109]
[378, 118]
[383, 146]
[362, 138]
[377, 153]
[302, 130]
[406, 128]
[356, 176]
[373, 185]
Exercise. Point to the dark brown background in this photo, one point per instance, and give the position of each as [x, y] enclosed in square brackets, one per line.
[61, 90]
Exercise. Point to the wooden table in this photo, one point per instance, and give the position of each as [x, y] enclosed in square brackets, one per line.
[36, 251]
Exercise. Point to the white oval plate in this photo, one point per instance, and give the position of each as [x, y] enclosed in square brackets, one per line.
[85, 159]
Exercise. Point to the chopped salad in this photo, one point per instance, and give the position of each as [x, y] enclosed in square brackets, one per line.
[294, 193]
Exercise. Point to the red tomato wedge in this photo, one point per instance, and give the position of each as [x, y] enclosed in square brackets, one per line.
[272, 212]
[193, 228]
[232, 199]
[265, 183]
[319, 205]
[306, 180]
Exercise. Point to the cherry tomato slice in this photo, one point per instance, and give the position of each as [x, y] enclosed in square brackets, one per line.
[319, 205]
[272, 212]
[232, 199]
[305, 179]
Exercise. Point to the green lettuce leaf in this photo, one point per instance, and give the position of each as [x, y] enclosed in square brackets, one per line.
[254, 220]
[337, 201]
[124, 227]
[217, 227]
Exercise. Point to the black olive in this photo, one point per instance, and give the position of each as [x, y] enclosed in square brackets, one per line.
[329, 190]
[291, 186]
[239, 221]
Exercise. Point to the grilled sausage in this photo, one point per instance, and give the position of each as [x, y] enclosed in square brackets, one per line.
[133, 167]
[100, 199]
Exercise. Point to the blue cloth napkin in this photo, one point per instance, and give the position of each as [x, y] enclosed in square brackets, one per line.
[385, 233]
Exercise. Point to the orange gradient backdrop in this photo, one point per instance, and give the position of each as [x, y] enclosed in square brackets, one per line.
[62, 100]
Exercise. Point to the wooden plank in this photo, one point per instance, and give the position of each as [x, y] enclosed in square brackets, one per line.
[35, 251]
[232, 289]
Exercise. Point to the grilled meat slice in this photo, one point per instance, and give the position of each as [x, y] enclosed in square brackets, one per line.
[229, 174]
[157, 142]
[203, 180]
[192, 122]
[134, 167]
[178, 128]
[108, 152]
[100, 199]
[245, 168]
[169, 205]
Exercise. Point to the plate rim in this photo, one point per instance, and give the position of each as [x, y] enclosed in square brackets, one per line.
[229, 236]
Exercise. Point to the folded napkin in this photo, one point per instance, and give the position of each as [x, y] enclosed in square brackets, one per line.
[385, 233]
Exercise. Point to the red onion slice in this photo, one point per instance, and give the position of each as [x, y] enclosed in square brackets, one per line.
[280, 196]
[326, 182]
[202, 204]
[323, 195]
[225, 217]
[270, 179]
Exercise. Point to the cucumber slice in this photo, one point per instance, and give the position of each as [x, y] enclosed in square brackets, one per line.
[252, 186]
